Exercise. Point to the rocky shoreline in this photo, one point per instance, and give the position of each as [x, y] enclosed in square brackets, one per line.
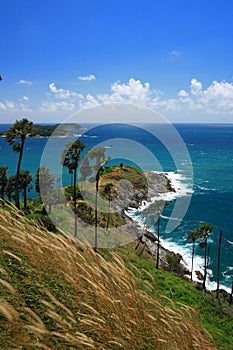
[158, 183]
[148, 239]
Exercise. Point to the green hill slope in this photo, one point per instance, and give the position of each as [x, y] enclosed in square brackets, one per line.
[56, 294]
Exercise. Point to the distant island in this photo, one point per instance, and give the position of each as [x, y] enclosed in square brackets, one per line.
[57, 130]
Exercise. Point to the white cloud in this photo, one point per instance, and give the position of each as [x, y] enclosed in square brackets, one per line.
[24, 98]
[90, 102]
[196, 87]
[49, 106]
[2, 106]
[15, 106]
[218, 96]
[175, 53]
[11, 105]
[182, 93]
[215, 98]
[134, 91]
[89, 77]
[63, 94]
[24, 82]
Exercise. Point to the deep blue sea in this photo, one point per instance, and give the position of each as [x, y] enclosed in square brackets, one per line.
[210, 148]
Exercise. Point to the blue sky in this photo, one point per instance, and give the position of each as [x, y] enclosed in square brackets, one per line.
[59, 57]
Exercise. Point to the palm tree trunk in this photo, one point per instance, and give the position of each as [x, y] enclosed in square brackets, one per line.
[96, 219]
[218, 274]
[2, 193]
[157, 262]
[25, 197]
[17, 202]
[231, 295]
[108, 217]
[205, 266]
[75, 203]
[192, 260]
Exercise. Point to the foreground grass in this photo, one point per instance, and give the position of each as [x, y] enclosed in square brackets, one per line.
[56, 294]
[216, 316]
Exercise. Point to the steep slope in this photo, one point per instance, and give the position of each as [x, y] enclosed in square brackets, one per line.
[56, 294]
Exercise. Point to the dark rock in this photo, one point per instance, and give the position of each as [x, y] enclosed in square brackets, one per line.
[199, 275]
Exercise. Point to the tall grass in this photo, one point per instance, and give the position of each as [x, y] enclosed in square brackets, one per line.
[56, 294]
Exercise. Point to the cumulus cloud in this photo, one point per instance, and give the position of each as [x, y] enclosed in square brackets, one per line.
[89, 102]
[219, 95]
[14, 106]
[134, 91]
[63, 94]
[196, 87]
[89, 77]
[215, 98]
[24, 82]
[183, 93]
[49, 106]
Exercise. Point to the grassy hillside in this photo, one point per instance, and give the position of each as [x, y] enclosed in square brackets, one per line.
[56, 294]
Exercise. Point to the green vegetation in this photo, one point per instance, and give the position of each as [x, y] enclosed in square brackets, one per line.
[16, 136]
[215, 317]
[70, 159]
[48, 130]
[57, 294]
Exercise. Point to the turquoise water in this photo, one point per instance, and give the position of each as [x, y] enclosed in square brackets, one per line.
[211, 152]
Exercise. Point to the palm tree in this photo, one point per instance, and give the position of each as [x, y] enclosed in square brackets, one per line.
[108, 191]
[70, 159]
[24, 181]
[231, 295]
[3, 180]
[193, 236]
[98, 174]
[16, 136]
[219, 253]
[85, 169]
[204, 232]
[157, 208]
[44, 182]
[10, 188]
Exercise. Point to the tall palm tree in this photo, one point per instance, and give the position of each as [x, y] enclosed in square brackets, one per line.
[25, 179]
[204, 232]
[16, 136]
[10, 188]
[108, 191]
[3, 181]
[98, 174]
[193, 236]
[44, 180]
[44, 183]
[156, 208]
[219, 253]
[70, 159]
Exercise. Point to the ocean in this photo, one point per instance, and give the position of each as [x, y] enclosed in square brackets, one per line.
[210, 150]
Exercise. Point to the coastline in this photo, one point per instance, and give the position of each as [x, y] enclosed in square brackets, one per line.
[160, 187]
[136, 227]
